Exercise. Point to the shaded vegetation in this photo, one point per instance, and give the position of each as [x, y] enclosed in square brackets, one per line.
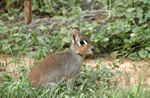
[123, 29]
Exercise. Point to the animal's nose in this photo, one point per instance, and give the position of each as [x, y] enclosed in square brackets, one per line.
[92, 48]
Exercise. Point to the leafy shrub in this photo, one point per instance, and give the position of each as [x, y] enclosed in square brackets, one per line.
[127, 30]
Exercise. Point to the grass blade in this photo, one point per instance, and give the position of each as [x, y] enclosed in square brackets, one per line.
[138, 89]
[23, 46]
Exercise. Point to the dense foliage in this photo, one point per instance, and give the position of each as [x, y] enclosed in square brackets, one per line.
[124, 31]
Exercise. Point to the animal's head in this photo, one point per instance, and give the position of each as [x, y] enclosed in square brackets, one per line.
[82, 43]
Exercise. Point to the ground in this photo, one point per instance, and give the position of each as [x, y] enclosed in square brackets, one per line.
[132, 70]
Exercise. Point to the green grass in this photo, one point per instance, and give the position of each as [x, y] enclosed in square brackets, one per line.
[90, 83]
[23, 89]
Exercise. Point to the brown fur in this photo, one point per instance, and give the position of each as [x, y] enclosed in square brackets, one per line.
[56, 67]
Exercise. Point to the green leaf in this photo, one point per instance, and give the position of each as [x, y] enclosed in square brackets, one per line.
[20, 69]
[1, 22]
[3, 30]
[11, 62]
[5, 46]
[128, 15]
[41, 42]
[24, 45]
[115, 64]
[148, 14]
[136, 30]
[32, 54]
[138, 89]
[149, 55]
[106, 39]
[11, 18]
[41, 27]
[142, 20]
[94, 76]
[15, 34]
[63, 31]
[41, 54]
[7, 77]
[66, 40]
[27, 70]
[143, 53]
[133, 56]
[130, 10]
[97, 50]
[118, 72]
[16, 47]
[133, 34]
[144, 25]
[48, 10]
[106, 70]
[114, 54]
[147, 48]
[139, 10]
[88, 68]
[139, 15]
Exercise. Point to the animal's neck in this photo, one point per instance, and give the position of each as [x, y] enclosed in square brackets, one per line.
[72, 48]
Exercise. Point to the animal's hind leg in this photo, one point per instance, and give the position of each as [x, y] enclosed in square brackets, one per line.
[70, 83]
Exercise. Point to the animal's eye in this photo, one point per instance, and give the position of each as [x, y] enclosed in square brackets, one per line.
[82, 43]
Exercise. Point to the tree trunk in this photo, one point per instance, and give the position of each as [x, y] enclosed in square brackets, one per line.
[28, 11]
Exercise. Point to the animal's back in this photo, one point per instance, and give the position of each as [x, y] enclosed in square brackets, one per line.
[52, 68]
[44, 67]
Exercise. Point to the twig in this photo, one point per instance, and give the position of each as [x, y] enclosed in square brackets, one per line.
[93, 4]
[108, 11]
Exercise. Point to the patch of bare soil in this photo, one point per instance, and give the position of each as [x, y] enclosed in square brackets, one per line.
[9, 64]
[132, 71]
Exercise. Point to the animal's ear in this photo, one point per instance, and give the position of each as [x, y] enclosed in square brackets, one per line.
[74, 35]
